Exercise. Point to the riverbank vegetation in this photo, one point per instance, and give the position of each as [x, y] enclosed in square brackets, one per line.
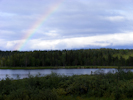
[70, 67]
[65, 58]
[98, 86]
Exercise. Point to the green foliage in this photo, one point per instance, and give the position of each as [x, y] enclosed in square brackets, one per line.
[87, 57]
[77, 87]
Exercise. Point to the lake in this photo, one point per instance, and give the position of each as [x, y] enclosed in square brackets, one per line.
[22, 73]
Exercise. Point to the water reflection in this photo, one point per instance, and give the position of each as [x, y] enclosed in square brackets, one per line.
[20, 73]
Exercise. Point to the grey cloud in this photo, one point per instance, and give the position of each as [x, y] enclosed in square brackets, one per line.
[73, 18]
[26, 7]
[98, 25]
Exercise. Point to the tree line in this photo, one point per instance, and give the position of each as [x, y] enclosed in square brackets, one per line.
[82, 57]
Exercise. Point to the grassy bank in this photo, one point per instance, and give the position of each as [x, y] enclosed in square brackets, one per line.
[67, 67]
[99, 86]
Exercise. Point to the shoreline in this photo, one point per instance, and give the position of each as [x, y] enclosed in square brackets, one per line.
[70, 67]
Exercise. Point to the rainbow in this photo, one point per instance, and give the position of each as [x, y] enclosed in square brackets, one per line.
[37, 24]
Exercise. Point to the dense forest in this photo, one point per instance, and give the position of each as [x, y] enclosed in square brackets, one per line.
[83, 57]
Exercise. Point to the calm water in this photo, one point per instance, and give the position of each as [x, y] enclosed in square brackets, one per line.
[25, 73]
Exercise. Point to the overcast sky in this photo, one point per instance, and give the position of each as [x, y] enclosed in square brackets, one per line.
[68, 24]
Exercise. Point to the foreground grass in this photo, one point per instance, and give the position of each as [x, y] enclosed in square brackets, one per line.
[67, 67]
[100, 86]
[91, 98]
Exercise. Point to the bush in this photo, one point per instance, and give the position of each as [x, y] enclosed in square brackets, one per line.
[54, 87]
